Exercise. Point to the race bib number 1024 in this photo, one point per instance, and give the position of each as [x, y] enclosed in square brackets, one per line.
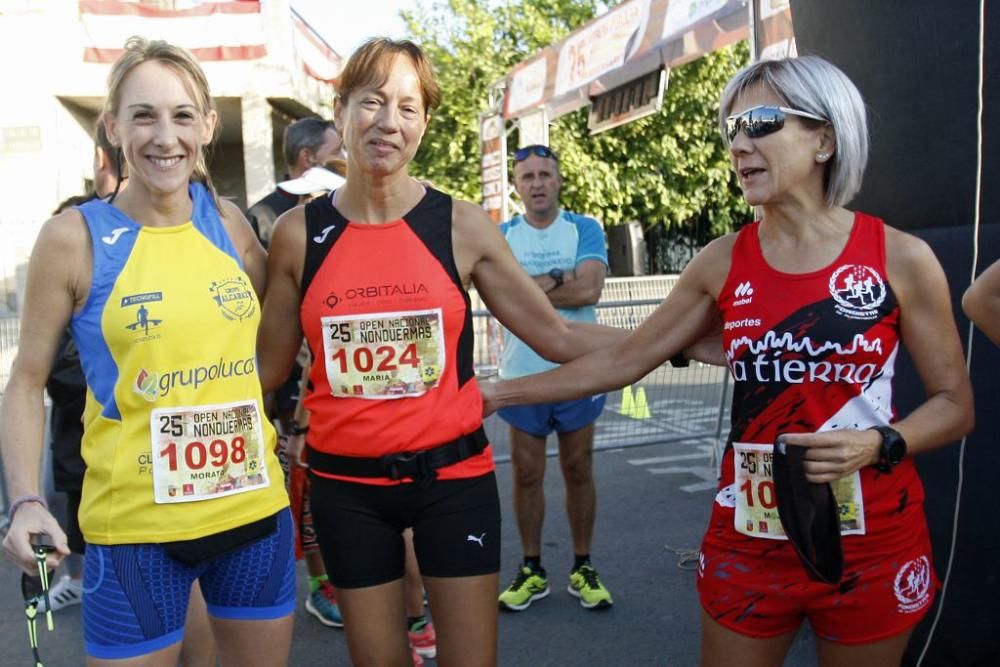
[384, 355]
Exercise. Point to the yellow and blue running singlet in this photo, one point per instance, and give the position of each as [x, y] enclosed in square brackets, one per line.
[175, 440]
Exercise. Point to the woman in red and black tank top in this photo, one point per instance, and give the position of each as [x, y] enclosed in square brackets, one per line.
[375, 277]
[814, 301]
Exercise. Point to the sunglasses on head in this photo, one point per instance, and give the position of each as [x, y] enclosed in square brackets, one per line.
[535, 149]
[763, 120]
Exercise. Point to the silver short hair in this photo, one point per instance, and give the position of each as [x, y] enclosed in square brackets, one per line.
[809, 83]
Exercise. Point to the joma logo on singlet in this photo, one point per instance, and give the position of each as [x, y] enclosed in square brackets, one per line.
[323, 234]
[112, 238]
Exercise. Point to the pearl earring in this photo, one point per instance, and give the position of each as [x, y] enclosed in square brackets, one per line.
[822, 157]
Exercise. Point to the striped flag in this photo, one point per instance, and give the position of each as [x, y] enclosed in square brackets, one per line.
[318, 59]
[212, 31]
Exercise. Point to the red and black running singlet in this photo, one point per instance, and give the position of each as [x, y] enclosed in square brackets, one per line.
[390, 327]
[810, 352]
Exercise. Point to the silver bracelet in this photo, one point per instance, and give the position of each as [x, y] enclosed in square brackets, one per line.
[30, 498]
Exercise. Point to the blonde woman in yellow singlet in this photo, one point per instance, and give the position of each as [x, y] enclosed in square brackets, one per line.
[159, 286]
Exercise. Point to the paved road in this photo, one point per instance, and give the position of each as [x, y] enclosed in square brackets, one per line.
[652, 503]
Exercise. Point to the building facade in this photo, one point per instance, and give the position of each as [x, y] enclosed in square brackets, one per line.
[265, 65]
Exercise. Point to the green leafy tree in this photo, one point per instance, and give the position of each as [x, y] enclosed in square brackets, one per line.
[669, 168]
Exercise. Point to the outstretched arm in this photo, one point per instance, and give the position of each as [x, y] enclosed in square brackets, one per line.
[513, 297]
[688, 313]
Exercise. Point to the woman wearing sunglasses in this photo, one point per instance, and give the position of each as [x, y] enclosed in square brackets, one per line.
[814, 301]
[375, 276]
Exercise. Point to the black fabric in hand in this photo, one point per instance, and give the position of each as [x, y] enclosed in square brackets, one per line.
[809, 514]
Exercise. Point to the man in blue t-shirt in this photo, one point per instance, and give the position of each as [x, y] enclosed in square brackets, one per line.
[567, 256]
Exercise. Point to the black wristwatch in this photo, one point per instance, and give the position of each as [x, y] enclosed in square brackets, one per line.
[556, 275]
[295, 428]
[892, 450]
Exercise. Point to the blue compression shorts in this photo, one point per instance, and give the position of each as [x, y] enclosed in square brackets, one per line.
[135, 596]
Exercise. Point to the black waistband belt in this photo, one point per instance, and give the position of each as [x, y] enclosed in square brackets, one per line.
[420, 466]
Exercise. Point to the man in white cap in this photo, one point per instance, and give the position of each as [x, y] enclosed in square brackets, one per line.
[318, 180]
[308, 143]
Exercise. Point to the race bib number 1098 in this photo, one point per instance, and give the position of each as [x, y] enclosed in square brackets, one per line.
[207, 451]
[384, 355]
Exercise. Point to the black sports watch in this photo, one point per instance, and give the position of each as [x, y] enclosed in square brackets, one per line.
[892, 450]
[556, 275]
[295, 428]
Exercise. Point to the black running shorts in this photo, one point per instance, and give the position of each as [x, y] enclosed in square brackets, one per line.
[456, 528]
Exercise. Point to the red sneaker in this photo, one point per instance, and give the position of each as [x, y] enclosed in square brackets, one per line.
[424, 641]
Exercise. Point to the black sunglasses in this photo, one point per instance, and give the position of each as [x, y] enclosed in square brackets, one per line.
[34, 589]
[535, 149]
[763, 120]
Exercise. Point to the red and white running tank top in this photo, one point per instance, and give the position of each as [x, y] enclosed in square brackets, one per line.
[814, 352]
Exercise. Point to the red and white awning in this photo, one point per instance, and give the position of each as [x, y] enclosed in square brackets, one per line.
[318, 60]
[632, 39]
[212, 31]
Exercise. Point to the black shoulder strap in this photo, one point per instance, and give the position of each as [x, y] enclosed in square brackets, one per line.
[324, 225]
[430, 220]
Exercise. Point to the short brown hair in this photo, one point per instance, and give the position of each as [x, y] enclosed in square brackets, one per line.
[370, 65]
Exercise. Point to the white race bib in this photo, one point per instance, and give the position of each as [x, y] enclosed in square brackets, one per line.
[207, 451]
[757, 506]
[384, 355]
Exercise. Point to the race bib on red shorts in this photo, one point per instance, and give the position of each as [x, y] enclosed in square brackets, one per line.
[207, 451]
[384, 355]
[757, 507]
